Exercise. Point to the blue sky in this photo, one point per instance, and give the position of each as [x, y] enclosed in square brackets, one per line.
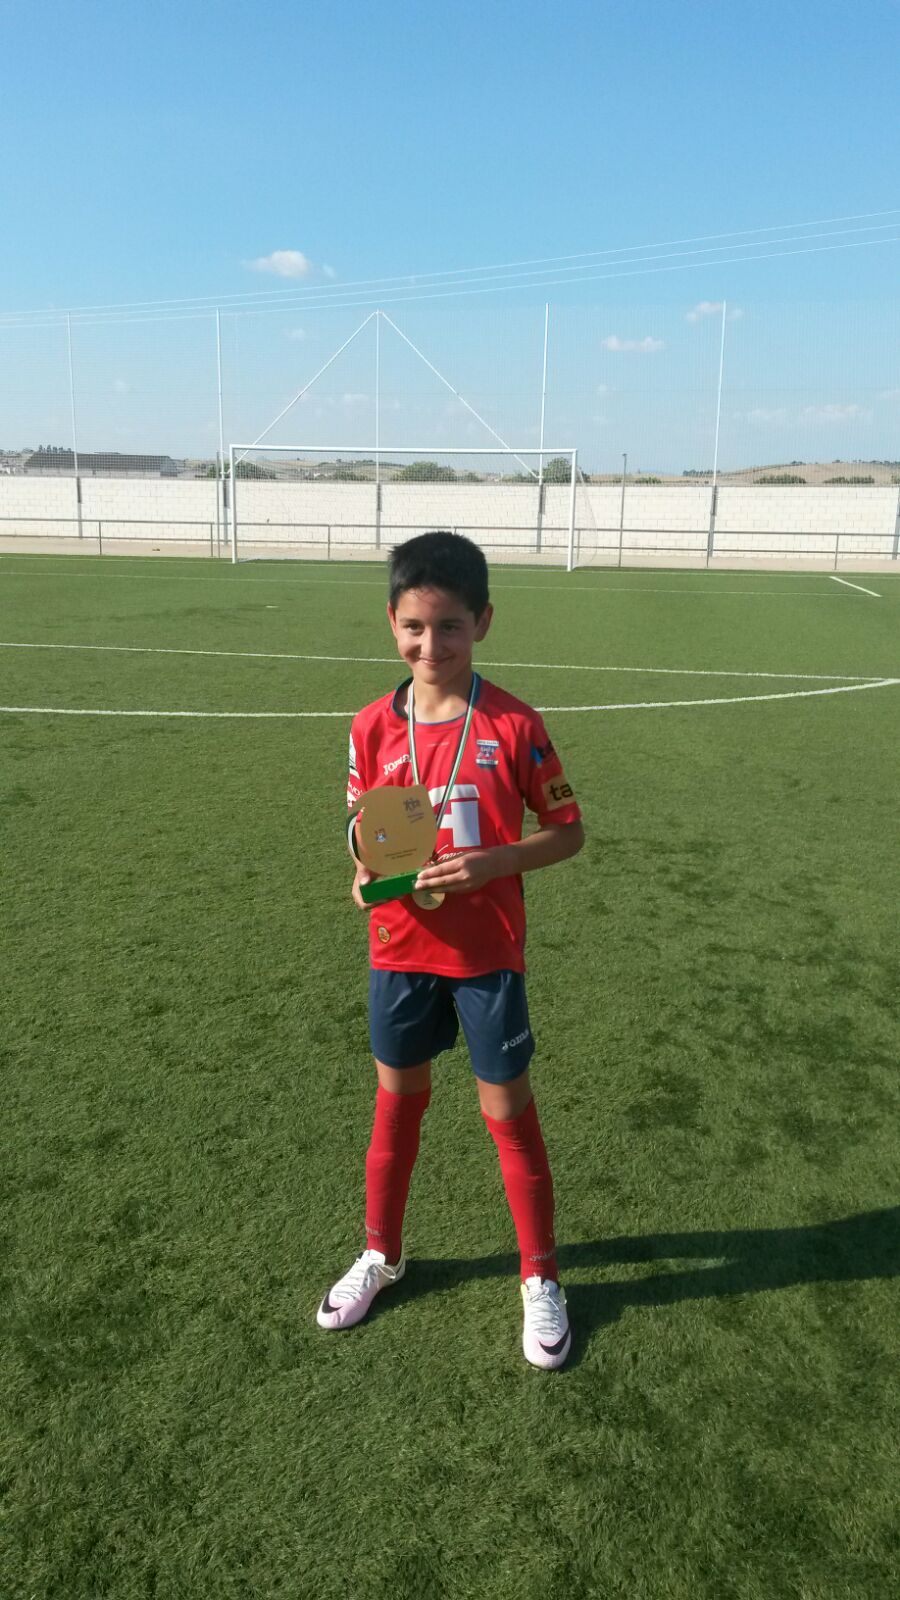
[156, 153]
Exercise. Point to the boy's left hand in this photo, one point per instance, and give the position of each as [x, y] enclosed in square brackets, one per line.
[461, 874]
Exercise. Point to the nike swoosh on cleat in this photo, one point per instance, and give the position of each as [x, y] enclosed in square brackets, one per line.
[327, 1306]
[555, 1349]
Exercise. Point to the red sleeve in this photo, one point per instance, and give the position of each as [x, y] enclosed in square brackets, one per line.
[544, 785]
[356, 779]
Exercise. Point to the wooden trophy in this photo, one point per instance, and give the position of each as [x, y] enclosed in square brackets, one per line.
[392, 831]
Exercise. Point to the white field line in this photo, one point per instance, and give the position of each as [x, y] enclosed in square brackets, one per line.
[369, 583]
[540, 666]
[848, 585]
[638, 705]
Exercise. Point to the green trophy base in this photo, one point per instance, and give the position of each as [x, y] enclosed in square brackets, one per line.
[388, 888]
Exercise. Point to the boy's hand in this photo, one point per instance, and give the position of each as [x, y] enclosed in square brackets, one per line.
[462, 873]
[363, 875]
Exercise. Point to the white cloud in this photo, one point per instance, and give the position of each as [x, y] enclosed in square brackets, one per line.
[602, 389]
[328, 271]
[283, 263]
[835, 413]
[764, 414]
[889, 394]
[295, 333]
[712, 308]
[354, 399]
[120, 386]
[647, 346]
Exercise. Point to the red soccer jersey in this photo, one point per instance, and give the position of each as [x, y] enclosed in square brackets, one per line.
[508, 763]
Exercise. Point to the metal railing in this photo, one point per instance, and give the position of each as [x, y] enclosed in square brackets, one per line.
[331, 539]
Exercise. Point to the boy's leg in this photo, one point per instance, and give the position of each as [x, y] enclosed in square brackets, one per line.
[511, 1116]
[401, 1101]
[494, 1013]
[411, 1019]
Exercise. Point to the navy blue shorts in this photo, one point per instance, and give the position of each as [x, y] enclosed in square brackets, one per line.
[413, 1016]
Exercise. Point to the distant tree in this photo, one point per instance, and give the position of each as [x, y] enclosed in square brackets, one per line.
[855, 481]
[780, 479]
[425, 472]
[245, 469]
[558, 470]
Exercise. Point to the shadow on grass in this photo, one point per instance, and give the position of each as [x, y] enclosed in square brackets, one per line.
[736, 1262]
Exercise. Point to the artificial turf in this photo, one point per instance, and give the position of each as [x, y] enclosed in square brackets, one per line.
[186, 1101]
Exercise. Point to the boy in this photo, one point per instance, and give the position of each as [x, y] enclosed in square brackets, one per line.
[454, 951]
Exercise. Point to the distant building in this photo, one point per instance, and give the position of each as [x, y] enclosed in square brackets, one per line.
[103, 464]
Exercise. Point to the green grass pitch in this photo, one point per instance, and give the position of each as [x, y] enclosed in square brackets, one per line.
[186, 1102]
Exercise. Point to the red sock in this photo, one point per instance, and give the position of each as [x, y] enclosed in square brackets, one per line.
[529, 1189]
[390, 1159]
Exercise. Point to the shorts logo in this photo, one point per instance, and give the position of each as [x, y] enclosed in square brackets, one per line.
[391, 766]
[384, 936]
[510, 1044]
[557, 792]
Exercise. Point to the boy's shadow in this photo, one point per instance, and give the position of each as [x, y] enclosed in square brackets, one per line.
[745, 1261]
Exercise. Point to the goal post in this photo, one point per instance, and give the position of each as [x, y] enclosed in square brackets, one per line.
[355, 502]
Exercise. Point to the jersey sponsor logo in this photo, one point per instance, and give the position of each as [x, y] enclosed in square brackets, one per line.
[391, 766]
[542, 752]
[461, 815]
[354, 793]
[558, 792]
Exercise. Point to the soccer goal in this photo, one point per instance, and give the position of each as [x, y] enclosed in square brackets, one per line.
[344, 503]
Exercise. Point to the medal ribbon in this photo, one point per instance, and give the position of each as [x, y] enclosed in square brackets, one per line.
[457, 760]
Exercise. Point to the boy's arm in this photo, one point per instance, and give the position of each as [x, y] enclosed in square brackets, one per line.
[472, 869]
[546, 792]
[356, 786]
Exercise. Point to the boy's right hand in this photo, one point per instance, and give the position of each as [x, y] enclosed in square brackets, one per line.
[363, 875]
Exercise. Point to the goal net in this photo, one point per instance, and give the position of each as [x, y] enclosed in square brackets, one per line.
[356, 503]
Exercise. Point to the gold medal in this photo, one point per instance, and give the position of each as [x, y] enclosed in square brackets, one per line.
[428, 899]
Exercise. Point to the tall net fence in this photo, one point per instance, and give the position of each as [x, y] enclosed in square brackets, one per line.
[113, 427]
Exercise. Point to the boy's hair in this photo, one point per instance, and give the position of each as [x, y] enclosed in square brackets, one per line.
[440, 560]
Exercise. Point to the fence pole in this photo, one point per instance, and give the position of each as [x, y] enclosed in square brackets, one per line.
[622, 506]
[837, 541]
[570, 560]
[896, 550]
[540, 508]
[714, 496]
[74, 426]
[100, 534]
[233, 497]
[220, 458]
[378, 430]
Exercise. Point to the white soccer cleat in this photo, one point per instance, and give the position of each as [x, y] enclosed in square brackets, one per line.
[547, 1337]
[350, 1298]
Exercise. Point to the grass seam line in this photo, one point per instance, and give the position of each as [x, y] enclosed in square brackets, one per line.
[636, 705]
[541, 666]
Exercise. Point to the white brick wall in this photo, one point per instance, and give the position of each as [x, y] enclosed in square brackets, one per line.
[750, 520]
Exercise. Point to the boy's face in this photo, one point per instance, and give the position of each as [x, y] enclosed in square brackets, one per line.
[435, 633]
